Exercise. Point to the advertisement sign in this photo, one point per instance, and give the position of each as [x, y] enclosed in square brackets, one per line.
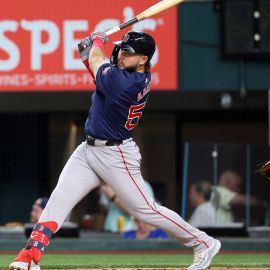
[38, 42]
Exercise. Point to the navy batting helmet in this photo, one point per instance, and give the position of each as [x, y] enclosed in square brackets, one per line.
[134, 42]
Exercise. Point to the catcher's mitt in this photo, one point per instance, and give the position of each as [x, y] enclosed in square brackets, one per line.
[265, 169]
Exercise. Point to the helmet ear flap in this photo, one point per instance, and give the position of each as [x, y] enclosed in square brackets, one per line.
[114, 55]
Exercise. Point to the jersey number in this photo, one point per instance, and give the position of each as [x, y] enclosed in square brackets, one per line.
[135, 113]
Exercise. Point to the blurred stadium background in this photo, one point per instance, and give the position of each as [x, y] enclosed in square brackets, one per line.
[208, 111]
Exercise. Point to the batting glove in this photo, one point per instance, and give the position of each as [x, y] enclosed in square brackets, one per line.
[100, 35]
[84, 47]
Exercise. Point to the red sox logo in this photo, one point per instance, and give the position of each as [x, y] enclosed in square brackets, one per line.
[126, 38]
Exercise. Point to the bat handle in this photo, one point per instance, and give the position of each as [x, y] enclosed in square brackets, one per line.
[108, 33]
[81, 46]
[114, 30]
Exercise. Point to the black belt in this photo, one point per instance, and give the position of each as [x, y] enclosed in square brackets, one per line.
[93, 141]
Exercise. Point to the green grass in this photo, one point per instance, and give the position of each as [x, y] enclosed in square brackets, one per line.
[103, 261]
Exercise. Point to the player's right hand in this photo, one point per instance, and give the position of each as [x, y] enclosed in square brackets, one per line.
[84, 47]
[100, 35]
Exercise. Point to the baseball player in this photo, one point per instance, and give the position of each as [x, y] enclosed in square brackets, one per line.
[110, 154]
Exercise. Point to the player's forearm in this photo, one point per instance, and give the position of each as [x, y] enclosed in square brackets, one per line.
[96, 59]
[96, 53]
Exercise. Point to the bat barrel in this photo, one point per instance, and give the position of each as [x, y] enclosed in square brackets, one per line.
[157, 8]
[153, 10]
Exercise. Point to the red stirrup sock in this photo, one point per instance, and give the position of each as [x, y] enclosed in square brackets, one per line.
[38, 240]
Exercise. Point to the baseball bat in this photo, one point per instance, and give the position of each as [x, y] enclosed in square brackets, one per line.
[151, 11]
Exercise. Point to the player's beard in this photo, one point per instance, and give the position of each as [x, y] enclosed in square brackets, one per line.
[132, 68]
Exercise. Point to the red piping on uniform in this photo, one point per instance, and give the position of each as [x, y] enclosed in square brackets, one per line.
[150, 205]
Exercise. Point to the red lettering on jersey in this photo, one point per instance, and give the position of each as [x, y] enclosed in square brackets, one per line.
[144, 92]
[135, 113]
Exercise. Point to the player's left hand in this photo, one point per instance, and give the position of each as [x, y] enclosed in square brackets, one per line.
[84, 47]
[85, 44]
[100, 35]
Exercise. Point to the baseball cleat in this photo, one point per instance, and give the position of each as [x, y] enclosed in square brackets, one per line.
[24, 266]
[202, 259]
